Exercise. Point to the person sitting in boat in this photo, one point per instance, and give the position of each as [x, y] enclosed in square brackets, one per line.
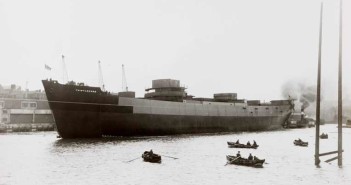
[151, 152]
[248, 143]
[250, 157]
[254, 144]
[238, 154]
[299, 140]
[237, 141]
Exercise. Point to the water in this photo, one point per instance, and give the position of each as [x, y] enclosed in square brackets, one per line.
[41, 158]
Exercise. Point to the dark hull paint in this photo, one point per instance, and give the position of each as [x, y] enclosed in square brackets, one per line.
[141, 124]
[77, 120]
[97, 115]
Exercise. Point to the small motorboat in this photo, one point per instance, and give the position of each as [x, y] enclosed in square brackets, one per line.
[151, 157]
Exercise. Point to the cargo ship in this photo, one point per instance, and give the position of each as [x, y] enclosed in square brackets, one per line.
[82, 111]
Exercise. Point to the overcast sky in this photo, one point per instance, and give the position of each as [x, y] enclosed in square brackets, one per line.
[252, 47]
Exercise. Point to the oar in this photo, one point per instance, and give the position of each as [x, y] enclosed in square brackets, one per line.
[169, 156]
[231, 161]
[132, 160]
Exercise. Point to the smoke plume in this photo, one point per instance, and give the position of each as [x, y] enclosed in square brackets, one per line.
[306, 94]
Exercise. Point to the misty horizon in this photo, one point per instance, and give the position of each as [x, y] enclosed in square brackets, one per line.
[250, 48]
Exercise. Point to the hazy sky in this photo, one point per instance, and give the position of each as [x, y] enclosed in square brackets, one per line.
[251, 47]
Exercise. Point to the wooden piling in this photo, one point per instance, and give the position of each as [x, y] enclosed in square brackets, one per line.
[340, 91]
[317, 161]
[332, 159]
[329, 153]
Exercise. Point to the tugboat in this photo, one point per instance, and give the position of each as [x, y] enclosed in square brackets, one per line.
[299, 142]
[348, 124]
[151, 157]
[324, 136]
[311, 122]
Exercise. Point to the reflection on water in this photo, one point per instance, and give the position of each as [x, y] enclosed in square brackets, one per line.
[41, 158]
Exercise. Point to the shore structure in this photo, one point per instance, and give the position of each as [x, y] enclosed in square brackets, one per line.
[82, 111]
[24, 110]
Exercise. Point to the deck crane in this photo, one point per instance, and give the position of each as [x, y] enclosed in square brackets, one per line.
[125, 93]
[101, 80]
[124, 80]
[64, 71]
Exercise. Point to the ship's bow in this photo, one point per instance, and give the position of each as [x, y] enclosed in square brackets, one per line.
[75, 117]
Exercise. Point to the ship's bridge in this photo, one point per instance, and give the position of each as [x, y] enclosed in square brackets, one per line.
[166, 89]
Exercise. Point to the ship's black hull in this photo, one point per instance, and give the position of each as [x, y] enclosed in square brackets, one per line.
[98, 115]
[89, 120]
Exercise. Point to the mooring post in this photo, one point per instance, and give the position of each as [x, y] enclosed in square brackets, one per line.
[318, 107]
[340, 91]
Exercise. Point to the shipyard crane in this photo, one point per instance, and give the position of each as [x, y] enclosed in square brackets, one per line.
[124, 80]
[101, 80]
[64, 71]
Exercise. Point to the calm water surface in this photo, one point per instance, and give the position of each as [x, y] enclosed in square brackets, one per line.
[41, 158]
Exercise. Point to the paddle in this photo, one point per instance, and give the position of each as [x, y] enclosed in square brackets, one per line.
[132, 160]
[169, 156]
[232, 160]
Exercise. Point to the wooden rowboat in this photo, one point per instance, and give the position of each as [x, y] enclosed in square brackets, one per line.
[236, 145]
[257, 163]
[151, 157]
[300, 143]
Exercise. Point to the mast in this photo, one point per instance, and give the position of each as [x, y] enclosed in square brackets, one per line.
[124, 80]
[101, 79]
[64, 71]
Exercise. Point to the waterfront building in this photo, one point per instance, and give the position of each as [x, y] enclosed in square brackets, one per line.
[24, 110]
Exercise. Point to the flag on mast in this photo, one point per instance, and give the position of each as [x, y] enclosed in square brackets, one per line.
[47, 67]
